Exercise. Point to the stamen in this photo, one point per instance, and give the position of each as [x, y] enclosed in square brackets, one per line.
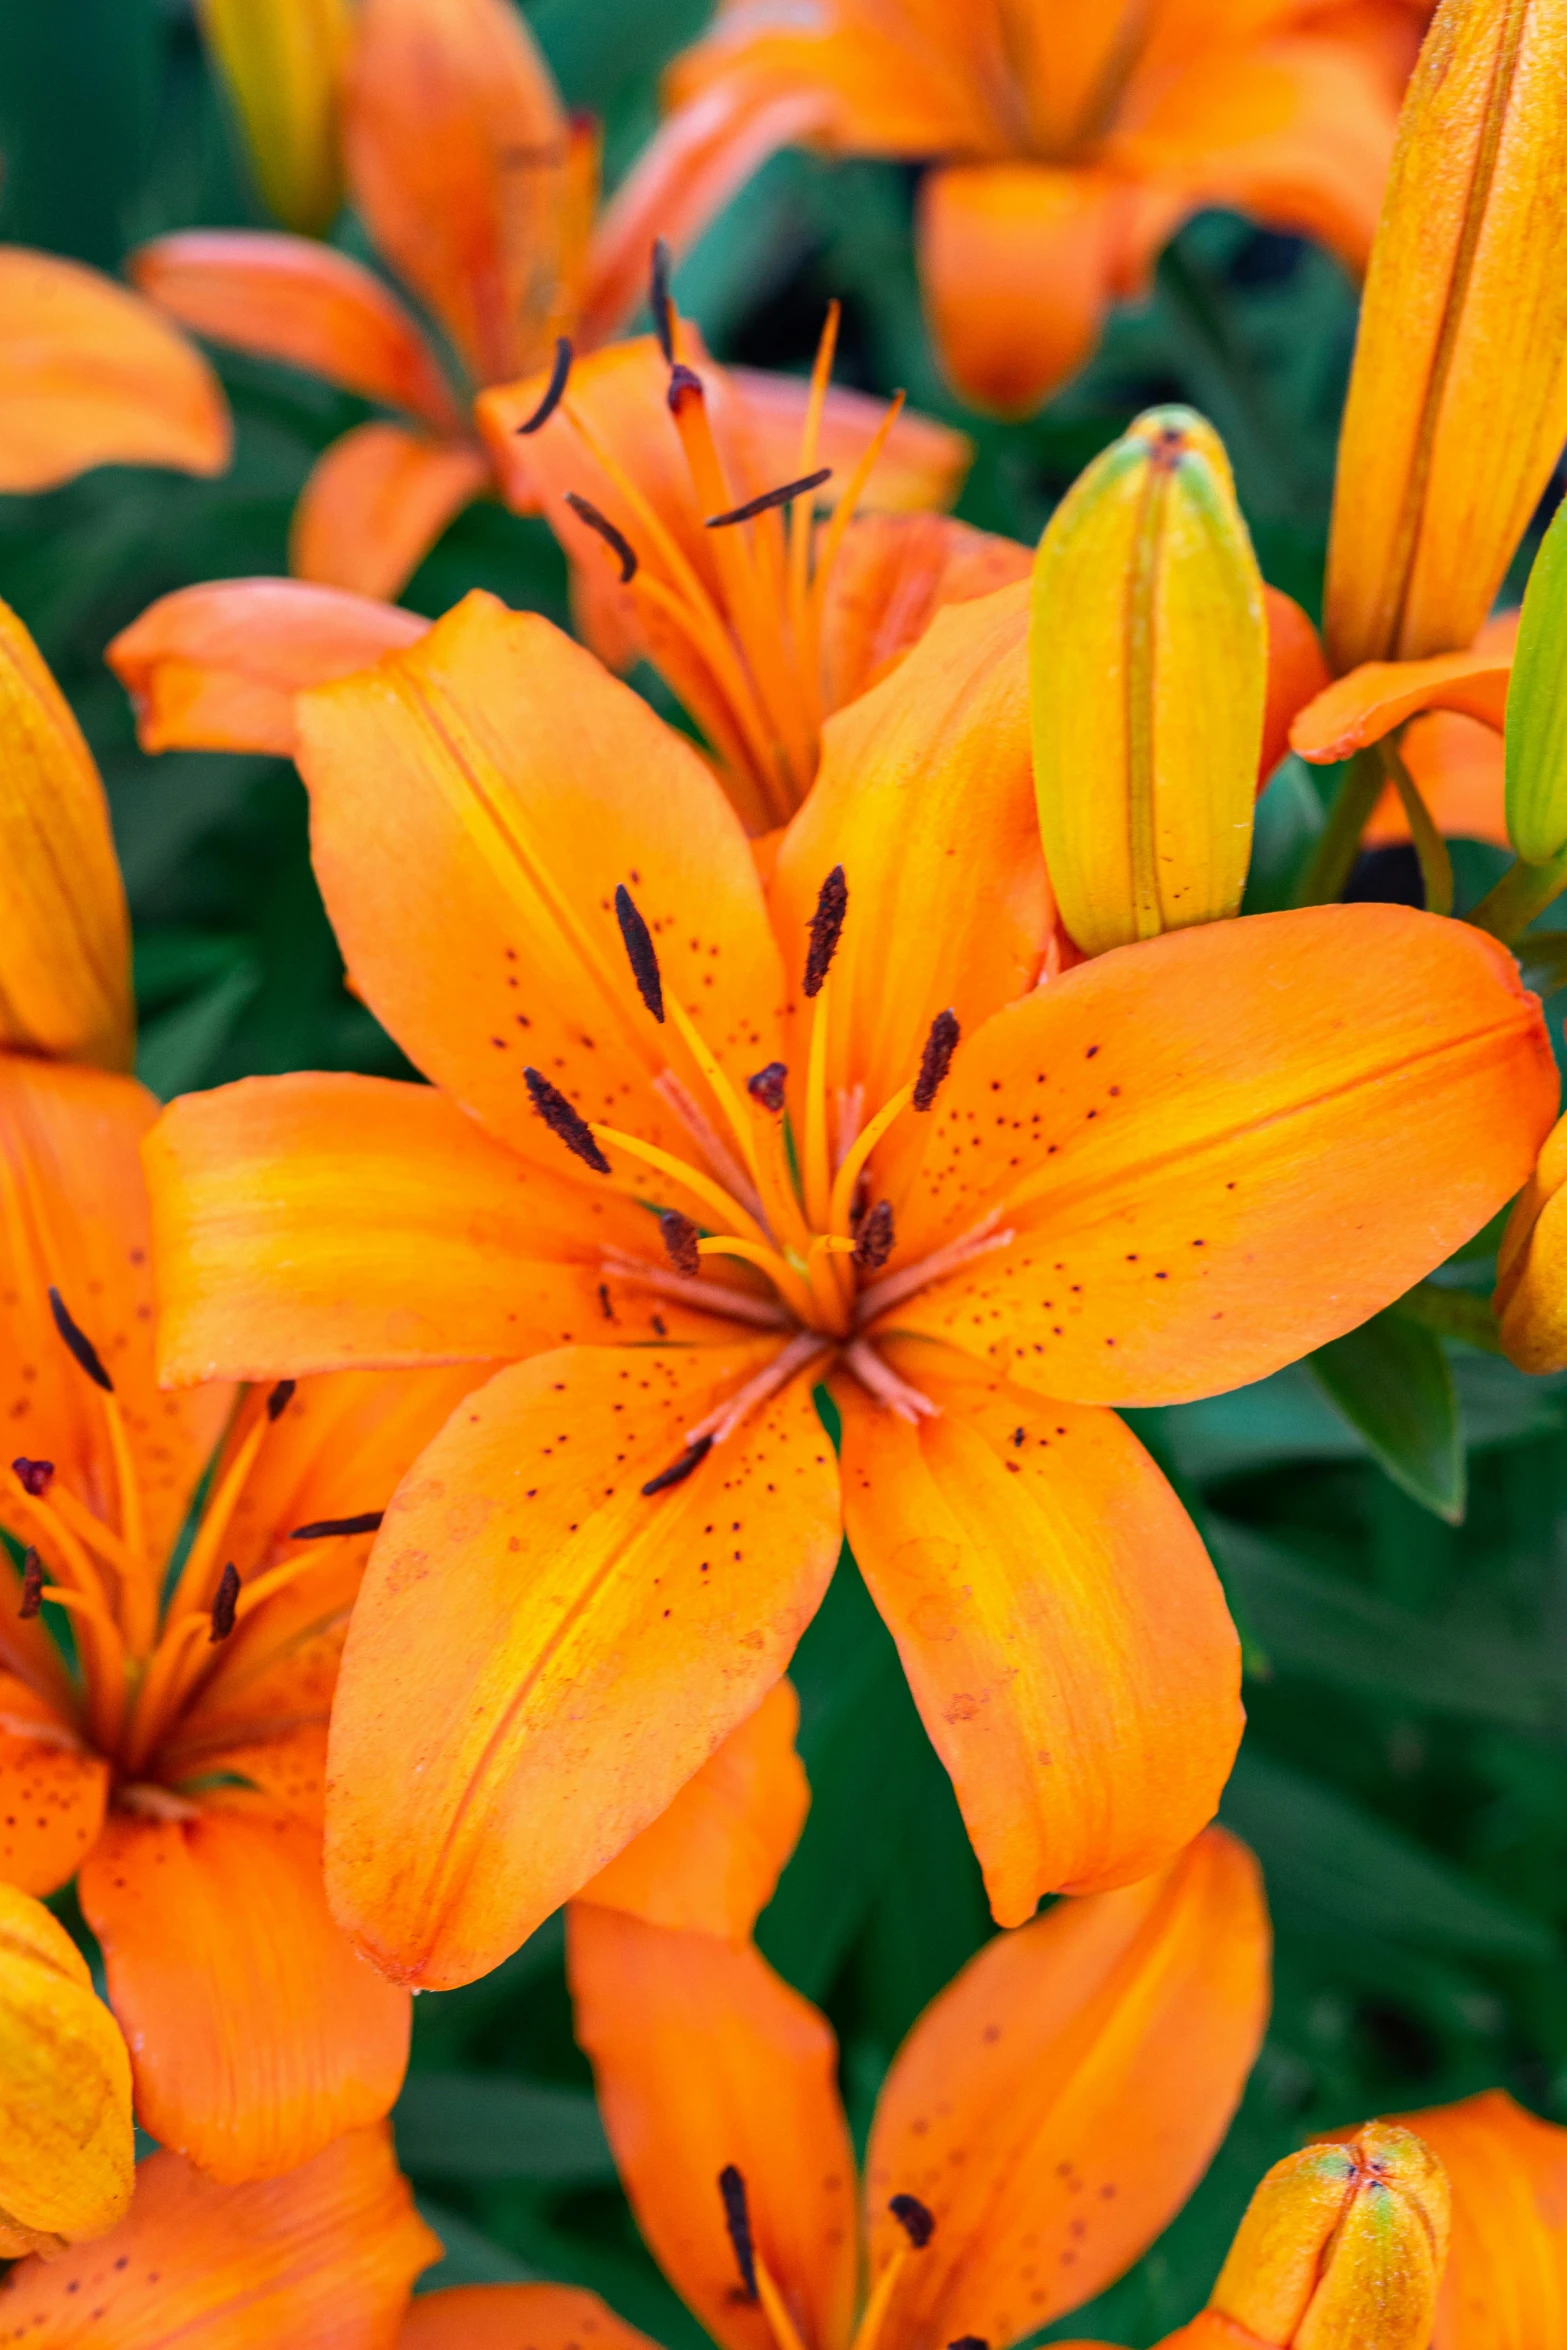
[724, 1208]
[563, 1121]
[679, 1470]
[767, 1086]
[874, 1242]
[613, 538]
[685, 385]
[879, 1380]
[224, 1602]
[832, 903]
[969, 2342]
[797, 1293]
[802, 1348]
[848, 1118]
[640, 952]
[737, 2221]
[659, 301]
[852, 1165]
[280, 1398]
[366, 1522]
[976, 1243]
[784, 495]
[36, 1476]
[79, 1343]
[707, 1297]
[936, 1059]
[681, 1237]
[32, 1583]
[915, 2218]
[554, 390]
[722, 1162]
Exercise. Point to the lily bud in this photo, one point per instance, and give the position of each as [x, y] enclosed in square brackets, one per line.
[1342, 2247]
[1458, 400]
[1148, 662]
[1530, 1299]
[280, 61]
[1537, 707]
[66, 2144]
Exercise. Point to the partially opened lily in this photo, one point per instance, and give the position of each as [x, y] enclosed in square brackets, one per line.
[65, 2090]
[693, 1153]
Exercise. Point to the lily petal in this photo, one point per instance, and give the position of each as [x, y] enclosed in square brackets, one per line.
[1297, 671]
[1005, 2110]
[922, 464]
[908, 83]
[90, 375]
[65, 947]
[1459, 767]
[375, 504]
[543, 1654]
[1064, 1634]
[54, 1792]
[499, 2317]
[894, 573]
[257, 2035]
[708, 1865]
[66, 2146]
[1367, 704]
[1506, 2281]
[324, 2256]
[294, 299]
[216, 667]
[1199, 1199]
[705, 2060]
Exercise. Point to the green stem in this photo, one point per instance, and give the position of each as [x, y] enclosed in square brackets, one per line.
[1452, 1313]
[1436, 866]
[1523, 891]
[1335, 853]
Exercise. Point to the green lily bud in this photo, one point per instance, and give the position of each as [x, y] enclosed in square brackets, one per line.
[1537, 708]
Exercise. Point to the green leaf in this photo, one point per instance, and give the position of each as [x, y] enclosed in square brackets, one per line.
[1393, 1383]
[470, 2257]
[1537, 707]
[454, 2125]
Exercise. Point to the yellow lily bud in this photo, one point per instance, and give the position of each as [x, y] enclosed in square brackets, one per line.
[1342, 2247]
[1537, 707]
[281, 61]
[1530, 1299]
[65, 965]
[1148, 664]
[66, 2146]
[1458, 401]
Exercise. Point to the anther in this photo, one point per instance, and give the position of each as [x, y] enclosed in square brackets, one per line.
[563, 1120]
[767, 1086]
[936, 1059]
[737, 2220]
[79, 1343]
[554, 390]
[684, 384]
[680, 1237]
[616, 539]
[32, 1583]
[916, 2219]
[784, 495]
[660, 304]
[874, 1241]
[969, 2342]
[832, 903]
[367, 1522]
[225, 1602]
[280, 1398]
[678, 1471]
[641, 953]
[35, 1477]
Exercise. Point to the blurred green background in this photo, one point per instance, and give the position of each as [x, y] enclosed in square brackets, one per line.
[1404, 1778]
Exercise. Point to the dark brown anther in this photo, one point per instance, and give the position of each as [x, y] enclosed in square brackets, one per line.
[613, 538]
[873, 1242]
[679, 1470]
[281, 1397]
[367, 1522]
[554, 390]
[660, 302]
[224, 1604]
[680, 1237]
[832, 903]
[35, 1477]
[32, 1584]
[936, 1059]
[563, 1120]
[969, 2342]
[641, 953]
[915, 2218]
[737, 2220]
[767, 1086]
[684, 384]
[784, 495]
[79, 1343]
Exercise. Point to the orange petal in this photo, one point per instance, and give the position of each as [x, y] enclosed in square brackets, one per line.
[494, 768]
[324, 2256]
[375, 504]
[269, 1266]
[457, 156]
[1007, 2109]
[708, 1865]
[1367, 704]
[501, 2317]
[52, 1791]
[1296, 672]
[1064, 1634]
[257, 2035]
[73, 1214]
[908, 84]
[66, 2143]
[65, 949]
[216, 667]
[503, 1729]
[703, 2059]
[894, 573]
[1201, 1201]
[1506, 2282]
[90, 375]
[292, 298]
[922, 464]
[1460, 768]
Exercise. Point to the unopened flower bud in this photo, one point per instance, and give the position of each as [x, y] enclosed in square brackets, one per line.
[281, 61]
[1530, 1299]
[66, 2146]
[1148, 672]
[1537, 707]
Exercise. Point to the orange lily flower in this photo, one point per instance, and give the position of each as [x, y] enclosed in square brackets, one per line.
[881, 1159]
[323, 2256]
[1506, 2282]
[1069, 143]
[174, 1765]
[66, 2144]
